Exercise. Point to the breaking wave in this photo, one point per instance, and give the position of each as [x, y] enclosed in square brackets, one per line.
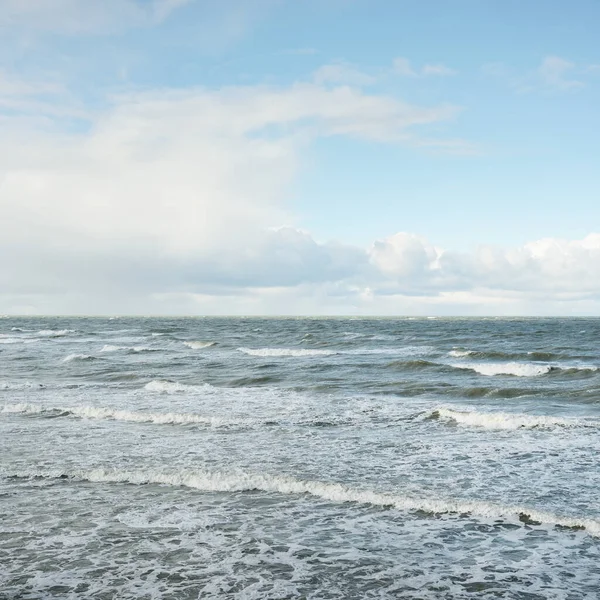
[199, 345]
[105, 413]
[507, 421]
[162, 386]
[298, 352]
[72, 357]
[111, 348]
[519, 369]
[208, 481]
[93, 412]
[55, 332]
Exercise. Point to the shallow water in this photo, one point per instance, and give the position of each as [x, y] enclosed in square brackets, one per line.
[299, 458]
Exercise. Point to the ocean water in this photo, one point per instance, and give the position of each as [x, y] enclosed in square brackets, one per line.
[299, 458]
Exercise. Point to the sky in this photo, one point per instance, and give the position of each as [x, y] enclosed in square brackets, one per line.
[314, 157]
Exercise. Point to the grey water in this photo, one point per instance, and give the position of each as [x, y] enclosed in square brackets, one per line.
[183, 458]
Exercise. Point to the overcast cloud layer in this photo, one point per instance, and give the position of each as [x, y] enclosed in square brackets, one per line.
[177, 200]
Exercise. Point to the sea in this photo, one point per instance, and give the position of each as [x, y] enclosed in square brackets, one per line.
[321, 458]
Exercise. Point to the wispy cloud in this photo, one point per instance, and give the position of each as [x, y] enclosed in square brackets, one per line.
[403, 67]
[342, 73]
[555, 72]
[80, 17]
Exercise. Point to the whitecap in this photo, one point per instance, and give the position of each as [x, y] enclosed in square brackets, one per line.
[507, 368]
[72, 357]
[280, 352]
[198, 345]
[460, 353]
[55, 332]
[507, 421]
[104, 413]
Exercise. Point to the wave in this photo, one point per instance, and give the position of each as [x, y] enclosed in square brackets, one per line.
[274, 352]
[111, 348]
[11, 340]
[208, 481]
[102, 413]
[20, 385]
[507, 421]
[519, 369]
[72, 357]
[163, 386]
[51, 333]
[460, 353]
[106, 413]
[199, 345]
[508, 368]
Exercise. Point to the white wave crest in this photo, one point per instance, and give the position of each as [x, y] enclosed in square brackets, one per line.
[274, 352]
[103, 413]
[19, 385]
[498, 420]
[11, 340]
[507, 368]
[111, 348]
[199, 345]
[72, 357]
[333, 492]
[163, 386]
[460, 353]
[55, 332]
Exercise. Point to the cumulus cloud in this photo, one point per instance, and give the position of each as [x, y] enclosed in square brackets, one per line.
[178, 190]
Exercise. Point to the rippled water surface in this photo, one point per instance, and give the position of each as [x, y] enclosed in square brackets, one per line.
[299, 458]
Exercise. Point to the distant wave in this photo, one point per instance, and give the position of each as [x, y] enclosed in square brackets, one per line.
[199, 345]
[55, 332]
[518, 369]
[460, 353]
[498, 420]
[11, 340]
[20, 385]
[298, 352]
[72, 357]
[163, 386]
[111, 348]
[301, 352]
[208, 481]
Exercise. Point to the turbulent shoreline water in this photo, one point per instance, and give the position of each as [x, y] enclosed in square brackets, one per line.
[299, 458]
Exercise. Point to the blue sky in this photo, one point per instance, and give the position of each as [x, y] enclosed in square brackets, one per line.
[332, 156]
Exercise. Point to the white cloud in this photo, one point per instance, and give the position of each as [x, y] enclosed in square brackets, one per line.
[176, 191]
[441, 70]
[173, 201]
[342, 73]
[554, 72]
[75, 17]
[403, 67]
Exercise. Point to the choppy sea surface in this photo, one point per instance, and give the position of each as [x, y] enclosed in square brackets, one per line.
[299, 458]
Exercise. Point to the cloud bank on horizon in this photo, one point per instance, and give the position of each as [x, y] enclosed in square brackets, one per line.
[145, 171]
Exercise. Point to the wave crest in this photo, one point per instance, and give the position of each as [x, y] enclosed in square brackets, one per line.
[507, 421]
[198, 345]
[274, 352]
